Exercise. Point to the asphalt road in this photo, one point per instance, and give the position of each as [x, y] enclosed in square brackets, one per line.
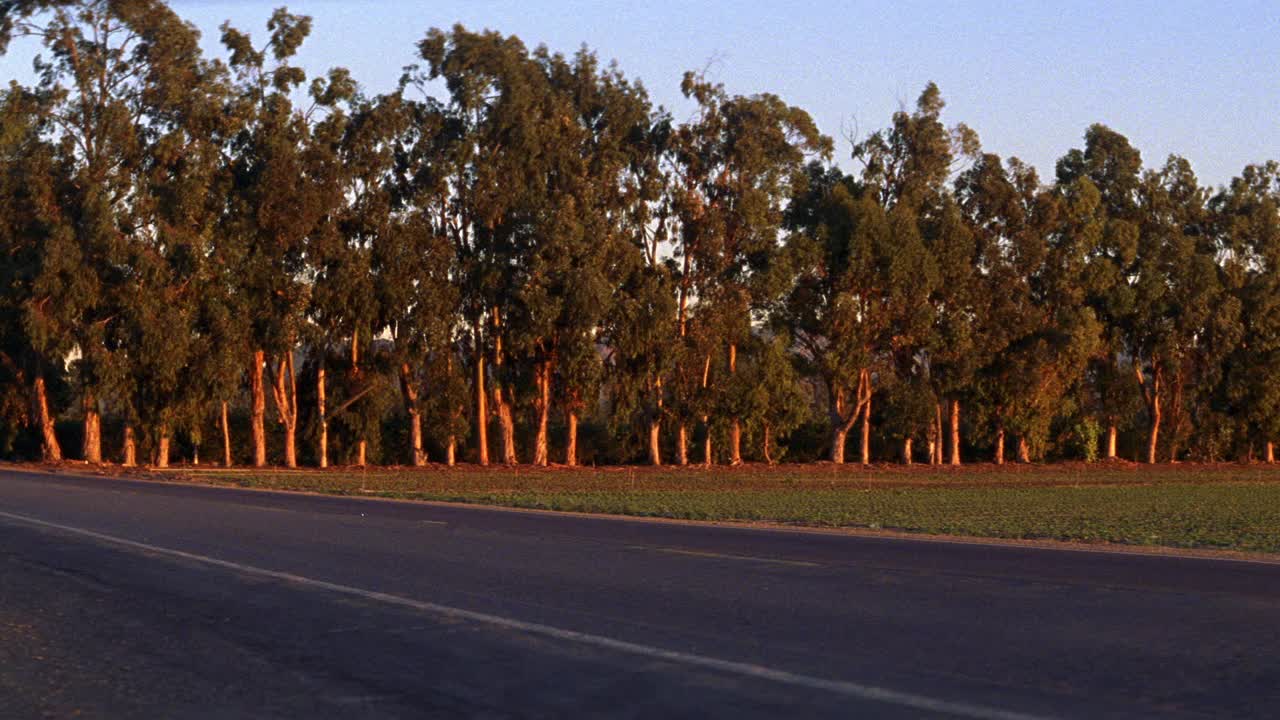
[127, 599]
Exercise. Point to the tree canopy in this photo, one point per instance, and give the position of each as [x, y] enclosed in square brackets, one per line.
[516, 243]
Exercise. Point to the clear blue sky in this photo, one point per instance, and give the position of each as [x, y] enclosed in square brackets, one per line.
[1201, 79]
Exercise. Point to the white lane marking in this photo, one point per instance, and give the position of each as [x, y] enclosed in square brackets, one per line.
[722, 556]
[760, 672]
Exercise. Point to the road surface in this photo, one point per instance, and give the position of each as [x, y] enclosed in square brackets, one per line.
[122, 599]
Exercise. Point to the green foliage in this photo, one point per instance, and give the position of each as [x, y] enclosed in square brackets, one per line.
[522, 228]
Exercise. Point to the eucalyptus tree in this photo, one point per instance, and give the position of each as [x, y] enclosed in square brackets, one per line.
[356, 174]
[1038, 251]
[173, 325]
[576, 250]
[101, 58]
[905, 168]
[278, 200]
[1114, 167]
[1179, 306]
[498, 122]
[415, 271]
[738, 161]
[637, 328]
[30, 177]
[1010, 217]
[772, 399]
[863, 286]
[1247, 220]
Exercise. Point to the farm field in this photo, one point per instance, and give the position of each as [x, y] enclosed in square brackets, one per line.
[1222, 506]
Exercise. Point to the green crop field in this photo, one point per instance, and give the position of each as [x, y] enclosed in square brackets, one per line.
[1232, 507]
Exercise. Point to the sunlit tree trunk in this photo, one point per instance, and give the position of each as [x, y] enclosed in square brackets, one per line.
[682, 443]
[506, 423]
[843, 416]
[541, 451]
[839, 436]
[906, 451]
[767, 432]
[451, 451]
[285, 393]
[1271, 453]
[1151, 391]
[409, 390]
[735, 427]
[1024, 450]
[91, 450]
[1153, 440]
[482, 399]
[936, 440]
[50, 448]
[955, 432]
[707, 457]
[999, 451]
[1111, 441]
[571, 441]
[362, 446]
[258, 417]
[130, 447]
[226, 437]
[655, 442]
[162, 448]
[866, 432]
[323, 413]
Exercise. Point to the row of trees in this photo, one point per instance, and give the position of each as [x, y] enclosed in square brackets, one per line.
[514, 241]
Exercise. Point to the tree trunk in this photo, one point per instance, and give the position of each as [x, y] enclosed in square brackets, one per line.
[409, 390]
[451, 451]
[1153, 440]
[571, 443]
[482, 410]
[91, 449]
[955, 432]
[506, 426]
[226, 437]
[866, 433]
[506, 423]
[936, 441]
[162, 449]
[906, 451]
[51, 449]
[1111, 441]
[768, 438]
[541, 452]
[362, 446]
[285, 393]
[838, 437]
[1271, 453]
[130, 447]
[999, 452]
[682, 444]
[707, 458]
[735, 427]
[1024, 450]
[257, 388]
[323, 413]
[655, 442]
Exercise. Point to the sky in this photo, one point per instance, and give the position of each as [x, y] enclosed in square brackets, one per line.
[1199, 79]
